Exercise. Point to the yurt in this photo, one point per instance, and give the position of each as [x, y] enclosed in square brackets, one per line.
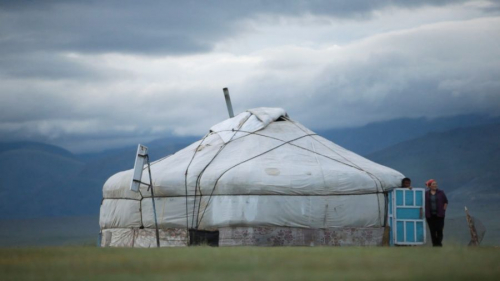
[257, 179]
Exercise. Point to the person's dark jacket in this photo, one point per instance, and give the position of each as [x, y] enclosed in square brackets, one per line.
[440, 200]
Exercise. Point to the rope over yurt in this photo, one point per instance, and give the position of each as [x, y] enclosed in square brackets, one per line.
[259, 178]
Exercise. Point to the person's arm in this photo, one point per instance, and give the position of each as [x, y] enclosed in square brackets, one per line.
[445, 202]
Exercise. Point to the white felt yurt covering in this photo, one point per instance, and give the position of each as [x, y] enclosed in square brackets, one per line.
[257, 173]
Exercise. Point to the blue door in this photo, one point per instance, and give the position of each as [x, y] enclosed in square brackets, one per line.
[407, 216]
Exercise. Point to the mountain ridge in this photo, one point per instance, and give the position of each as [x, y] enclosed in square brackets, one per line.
[379, 135]
[44, 180]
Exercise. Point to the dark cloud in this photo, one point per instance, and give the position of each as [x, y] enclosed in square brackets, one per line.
[153, 27]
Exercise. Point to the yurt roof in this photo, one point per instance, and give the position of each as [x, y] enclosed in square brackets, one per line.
[261, 151]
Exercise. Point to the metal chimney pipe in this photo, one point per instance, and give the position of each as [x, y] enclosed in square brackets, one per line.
[228, 102]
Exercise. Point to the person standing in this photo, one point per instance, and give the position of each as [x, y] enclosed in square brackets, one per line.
[435, 211]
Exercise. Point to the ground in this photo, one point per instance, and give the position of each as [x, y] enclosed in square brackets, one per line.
[251, 263]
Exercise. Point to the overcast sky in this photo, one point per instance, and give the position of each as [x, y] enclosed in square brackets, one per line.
[90, 75]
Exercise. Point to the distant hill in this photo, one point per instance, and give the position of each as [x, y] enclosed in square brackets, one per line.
[35, 146]
[460, 158]
[39, 180]
[377, 136]
[27, 173]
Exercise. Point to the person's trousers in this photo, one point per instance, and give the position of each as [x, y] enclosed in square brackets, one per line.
[436, 225]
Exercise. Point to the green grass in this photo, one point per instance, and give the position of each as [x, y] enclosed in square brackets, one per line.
[251, 263]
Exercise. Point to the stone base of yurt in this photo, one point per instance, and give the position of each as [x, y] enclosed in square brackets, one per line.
[143, 238]
[248, 236]
[289, 236]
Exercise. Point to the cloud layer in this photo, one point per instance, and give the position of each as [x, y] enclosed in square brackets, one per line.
[102, 74]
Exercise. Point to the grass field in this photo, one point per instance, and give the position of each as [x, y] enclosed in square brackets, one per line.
[251, 263]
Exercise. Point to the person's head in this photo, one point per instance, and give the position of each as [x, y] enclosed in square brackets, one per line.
[406, 182]
[432, 184]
